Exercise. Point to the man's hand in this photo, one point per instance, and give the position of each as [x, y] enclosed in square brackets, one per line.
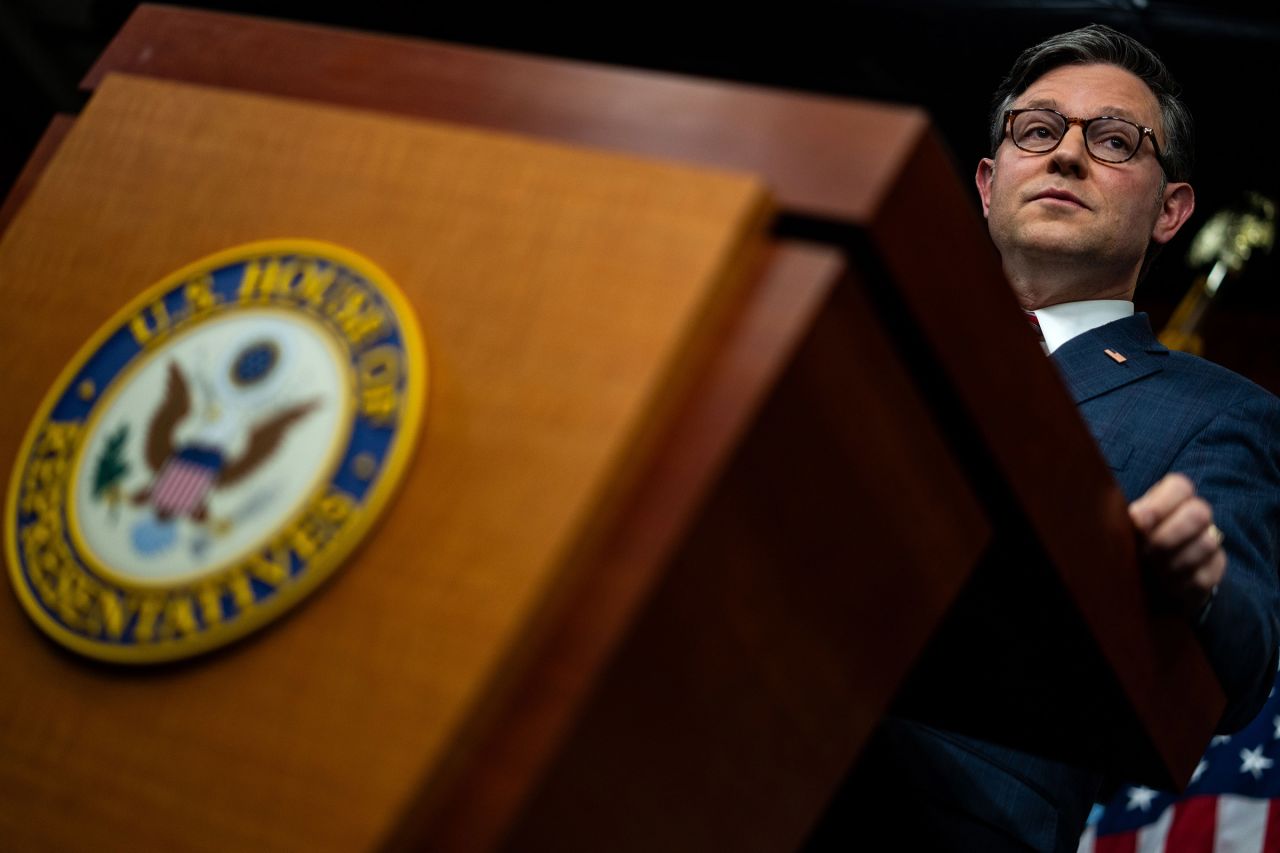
[1181, 544]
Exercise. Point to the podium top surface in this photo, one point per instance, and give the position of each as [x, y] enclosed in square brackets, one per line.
[835, 160]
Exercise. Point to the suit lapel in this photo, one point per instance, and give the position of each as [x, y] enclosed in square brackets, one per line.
[1089, 371]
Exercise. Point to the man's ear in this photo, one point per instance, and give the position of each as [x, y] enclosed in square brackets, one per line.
[1179, 201]
[986, 171]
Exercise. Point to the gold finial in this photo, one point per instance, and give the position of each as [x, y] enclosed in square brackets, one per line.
[1224, 245]
[1231, 235]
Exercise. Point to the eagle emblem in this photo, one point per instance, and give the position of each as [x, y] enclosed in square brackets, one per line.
[185, 475]
[215, 451]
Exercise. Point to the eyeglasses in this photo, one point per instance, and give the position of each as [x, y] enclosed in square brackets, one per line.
[1107, 139]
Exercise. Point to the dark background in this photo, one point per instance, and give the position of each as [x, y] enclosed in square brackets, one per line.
[945, 55]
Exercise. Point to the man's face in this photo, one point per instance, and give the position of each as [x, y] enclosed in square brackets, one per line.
[1066, 206]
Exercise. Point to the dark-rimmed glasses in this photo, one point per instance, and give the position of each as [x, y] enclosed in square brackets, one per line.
[1108, 139]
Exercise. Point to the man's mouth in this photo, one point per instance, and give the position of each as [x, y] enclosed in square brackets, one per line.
[1059, 195]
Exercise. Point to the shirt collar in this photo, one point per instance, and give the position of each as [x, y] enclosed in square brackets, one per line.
[1060, 323]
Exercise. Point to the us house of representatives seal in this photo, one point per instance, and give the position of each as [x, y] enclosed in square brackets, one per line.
[214, 451]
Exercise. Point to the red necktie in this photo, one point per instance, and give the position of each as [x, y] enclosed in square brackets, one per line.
[1034, 321]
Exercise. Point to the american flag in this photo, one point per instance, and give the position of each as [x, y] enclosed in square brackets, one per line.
[184, 480]
[1231, 805]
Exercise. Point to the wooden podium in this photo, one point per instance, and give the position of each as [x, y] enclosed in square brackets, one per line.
[729, 405]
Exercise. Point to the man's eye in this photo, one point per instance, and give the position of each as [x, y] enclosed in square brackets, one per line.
[1117, 143]
[1037, 131]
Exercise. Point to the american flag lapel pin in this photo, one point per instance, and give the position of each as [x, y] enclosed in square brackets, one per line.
[1115, 356]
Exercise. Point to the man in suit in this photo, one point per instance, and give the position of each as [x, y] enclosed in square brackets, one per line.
[1087, 179]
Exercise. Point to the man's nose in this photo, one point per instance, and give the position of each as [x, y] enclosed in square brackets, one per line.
[1072, 153]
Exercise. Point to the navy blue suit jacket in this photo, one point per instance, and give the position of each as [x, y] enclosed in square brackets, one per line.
[1155, 413]
[1162, 411]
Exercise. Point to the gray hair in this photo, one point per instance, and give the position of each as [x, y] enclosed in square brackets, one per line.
[1097, 43]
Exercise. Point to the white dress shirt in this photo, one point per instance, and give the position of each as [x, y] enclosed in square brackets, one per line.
[1061, 323]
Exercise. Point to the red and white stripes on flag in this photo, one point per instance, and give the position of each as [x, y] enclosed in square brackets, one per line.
[181, 486]
[1204, 824]
[1230, 805]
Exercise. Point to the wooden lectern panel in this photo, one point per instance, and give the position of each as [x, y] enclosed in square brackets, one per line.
[49, 142]
[373, 715]
[563, 295]
[826, 551]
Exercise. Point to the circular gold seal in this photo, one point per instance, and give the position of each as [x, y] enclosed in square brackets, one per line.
[215, 451]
